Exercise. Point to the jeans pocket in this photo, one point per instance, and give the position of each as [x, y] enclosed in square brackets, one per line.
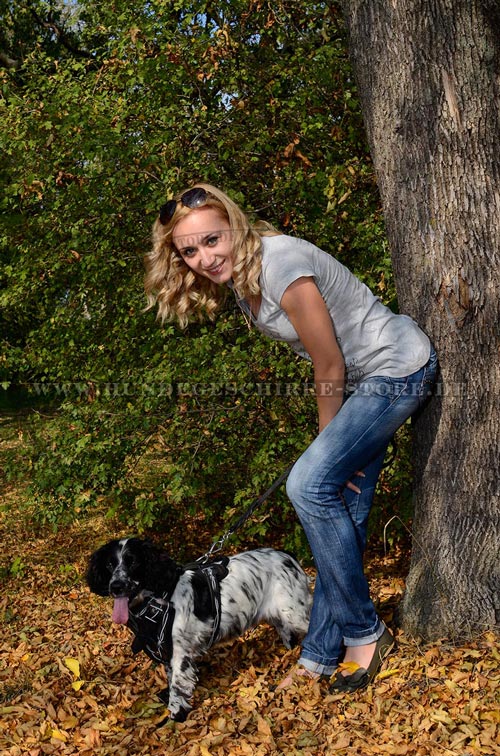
[429, 377]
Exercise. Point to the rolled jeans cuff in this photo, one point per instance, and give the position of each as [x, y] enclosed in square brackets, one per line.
[370, 637]
[318, 667]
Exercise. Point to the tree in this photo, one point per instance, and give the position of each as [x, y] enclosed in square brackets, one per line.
[428, 77]
[109, 109]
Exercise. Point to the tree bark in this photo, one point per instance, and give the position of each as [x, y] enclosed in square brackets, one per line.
[428, 73]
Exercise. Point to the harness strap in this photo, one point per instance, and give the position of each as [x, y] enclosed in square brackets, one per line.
[152, 621]
[152, 627]
[214, 572]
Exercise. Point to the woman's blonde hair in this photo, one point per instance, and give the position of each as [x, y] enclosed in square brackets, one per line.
[182, 294]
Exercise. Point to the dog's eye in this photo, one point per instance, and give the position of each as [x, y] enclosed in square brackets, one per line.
[110, 566]
[129, 561]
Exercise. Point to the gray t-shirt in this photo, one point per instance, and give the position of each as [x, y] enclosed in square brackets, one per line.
[373, 340]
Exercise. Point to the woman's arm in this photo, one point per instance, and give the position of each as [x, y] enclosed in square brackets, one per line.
[308, 313]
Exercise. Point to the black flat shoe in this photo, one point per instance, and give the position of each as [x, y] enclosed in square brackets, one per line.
[363, 677]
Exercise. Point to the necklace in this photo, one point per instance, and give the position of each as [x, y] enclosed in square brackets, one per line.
[245, 307]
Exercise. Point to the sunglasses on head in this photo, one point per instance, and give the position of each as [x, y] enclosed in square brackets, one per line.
[196, 197]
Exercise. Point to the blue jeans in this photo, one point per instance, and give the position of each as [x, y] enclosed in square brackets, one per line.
[335, 518]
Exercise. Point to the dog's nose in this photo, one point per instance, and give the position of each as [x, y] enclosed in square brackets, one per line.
[118, 586]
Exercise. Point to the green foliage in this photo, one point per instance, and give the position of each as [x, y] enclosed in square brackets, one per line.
[13, 570]
[108, 109]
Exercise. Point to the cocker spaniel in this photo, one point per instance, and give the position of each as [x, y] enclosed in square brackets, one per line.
[177, 612]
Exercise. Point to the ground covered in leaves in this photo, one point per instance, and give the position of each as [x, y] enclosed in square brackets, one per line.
[69, 683]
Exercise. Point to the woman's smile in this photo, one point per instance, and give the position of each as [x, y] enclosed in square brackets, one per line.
[216, 269]
[204, 240]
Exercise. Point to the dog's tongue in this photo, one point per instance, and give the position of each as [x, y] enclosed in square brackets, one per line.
[120, 611]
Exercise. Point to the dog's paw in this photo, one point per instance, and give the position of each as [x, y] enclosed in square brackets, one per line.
[180, 715]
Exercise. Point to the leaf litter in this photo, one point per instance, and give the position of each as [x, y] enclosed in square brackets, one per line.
[69, 683]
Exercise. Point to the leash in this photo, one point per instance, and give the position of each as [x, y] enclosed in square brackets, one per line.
[218, 545]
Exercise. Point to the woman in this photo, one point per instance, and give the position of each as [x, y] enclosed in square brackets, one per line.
[382, 362]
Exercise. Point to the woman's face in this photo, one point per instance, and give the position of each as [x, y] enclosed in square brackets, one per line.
[203, 238]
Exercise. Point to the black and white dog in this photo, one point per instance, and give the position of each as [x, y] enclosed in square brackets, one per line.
[178, 612]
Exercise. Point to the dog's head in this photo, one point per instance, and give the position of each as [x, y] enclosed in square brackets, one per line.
[125, 567]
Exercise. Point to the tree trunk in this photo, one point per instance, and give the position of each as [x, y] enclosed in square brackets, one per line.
[428, 73]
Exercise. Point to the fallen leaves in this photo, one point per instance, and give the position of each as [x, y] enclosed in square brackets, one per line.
[441, 701]
[69, 684]
[74, 666]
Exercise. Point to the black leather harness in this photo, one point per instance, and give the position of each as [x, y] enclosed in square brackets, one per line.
[152, 619]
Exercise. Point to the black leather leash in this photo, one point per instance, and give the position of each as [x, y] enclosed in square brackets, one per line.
[219, 544]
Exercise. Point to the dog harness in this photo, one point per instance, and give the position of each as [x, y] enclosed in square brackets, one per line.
[151, 621]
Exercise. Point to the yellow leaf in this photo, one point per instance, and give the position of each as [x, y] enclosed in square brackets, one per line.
[10, 709]
[204, 750]
[453, 688]
[349, 667]
[490, 716]
[70, 722]
[73, 665]
[77, 684]
[387, 673]
[441, 716]
[58, 735]
[495, 653]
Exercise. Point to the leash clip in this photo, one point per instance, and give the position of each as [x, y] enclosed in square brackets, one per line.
[219, 544]
[214, 548]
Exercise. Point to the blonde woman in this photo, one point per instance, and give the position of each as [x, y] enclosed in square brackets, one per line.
[372, 369]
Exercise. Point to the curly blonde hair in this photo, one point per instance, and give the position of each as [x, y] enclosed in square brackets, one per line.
[180, 293]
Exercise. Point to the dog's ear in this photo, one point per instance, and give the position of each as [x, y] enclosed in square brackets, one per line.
[160, 571]
[98, 573]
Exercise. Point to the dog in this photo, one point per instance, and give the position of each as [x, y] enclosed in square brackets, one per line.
[177, 612]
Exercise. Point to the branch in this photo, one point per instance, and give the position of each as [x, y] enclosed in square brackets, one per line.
[7, 62]
[61, 35]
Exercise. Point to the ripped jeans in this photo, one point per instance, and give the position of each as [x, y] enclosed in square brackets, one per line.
[335, 518]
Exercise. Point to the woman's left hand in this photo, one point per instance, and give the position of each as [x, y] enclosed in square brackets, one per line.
[353, 487]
